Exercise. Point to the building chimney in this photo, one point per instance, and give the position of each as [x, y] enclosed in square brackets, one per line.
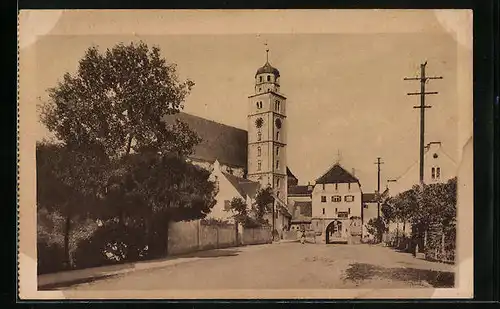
[309, 186]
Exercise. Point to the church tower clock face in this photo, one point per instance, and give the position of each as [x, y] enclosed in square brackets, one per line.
[259, 122]
[266, 133]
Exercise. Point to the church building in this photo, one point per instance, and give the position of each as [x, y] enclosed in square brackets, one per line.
[245, 161]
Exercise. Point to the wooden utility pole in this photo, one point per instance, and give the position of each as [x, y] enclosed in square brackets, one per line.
[423, 80]
[378, 186]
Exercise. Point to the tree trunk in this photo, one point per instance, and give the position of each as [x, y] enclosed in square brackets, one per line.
[67, 231]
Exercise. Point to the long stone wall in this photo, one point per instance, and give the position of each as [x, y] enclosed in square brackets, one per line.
[191, 236]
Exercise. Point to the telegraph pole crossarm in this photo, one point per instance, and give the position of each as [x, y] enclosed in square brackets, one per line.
[423, 80]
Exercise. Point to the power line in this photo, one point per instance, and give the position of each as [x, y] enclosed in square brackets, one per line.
[423, 81]
[378, 186]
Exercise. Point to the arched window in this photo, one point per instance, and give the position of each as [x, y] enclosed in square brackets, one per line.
[259, 165]
[258, 105]
[259, 151]
[260, 79]
[438, 172]
[433, 173]
[277, 105]
[268, 78]
[259, 136]
[277, 182]
[277, 164]
[277, 135]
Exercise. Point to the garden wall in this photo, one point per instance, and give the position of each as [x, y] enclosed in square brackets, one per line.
[191, 236]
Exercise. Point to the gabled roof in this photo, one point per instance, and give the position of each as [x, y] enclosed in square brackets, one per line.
[337, 174]
[299, 190]
[244, 186]
[224, 143]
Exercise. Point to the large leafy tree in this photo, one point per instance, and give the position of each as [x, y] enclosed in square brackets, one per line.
[116, 101]
[107, 117]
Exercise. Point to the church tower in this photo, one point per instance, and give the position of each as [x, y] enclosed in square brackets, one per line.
[267, 131]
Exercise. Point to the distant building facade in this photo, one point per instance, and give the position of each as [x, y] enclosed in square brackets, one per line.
[439, 167]
[337, 206]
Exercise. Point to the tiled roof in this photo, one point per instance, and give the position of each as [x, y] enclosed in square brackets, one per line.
[224, 143]
[337, 174]
[299, 190]
[369, 198]
[302, 220]
[243, 186]
[289, 173]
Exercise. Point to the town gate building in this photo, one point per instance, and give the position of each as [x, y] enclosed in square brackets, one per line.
[337, 207]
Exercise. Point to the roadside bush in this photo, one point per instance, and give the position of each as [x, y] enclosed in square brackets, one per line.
[50, 257]
[110, 244]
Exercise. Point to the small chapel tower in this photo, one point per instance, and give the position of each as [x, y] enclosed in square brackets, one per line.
[267, 131]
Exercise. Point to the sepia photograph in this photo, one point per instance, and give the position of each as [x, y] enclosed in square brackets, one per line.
[205, 154]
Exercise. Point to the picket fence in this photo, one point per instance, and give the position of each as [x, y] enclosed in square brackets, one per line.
[192, 236]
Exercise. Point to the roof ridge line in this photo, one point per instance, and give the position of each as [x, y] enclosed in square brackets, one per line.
[206, 119]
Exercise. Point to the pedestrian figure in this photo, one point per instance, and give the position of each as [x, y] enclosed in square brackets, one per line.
[302, 236]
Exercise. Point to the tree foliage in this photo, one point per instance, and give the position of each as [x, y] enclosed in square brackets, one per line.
[263, 203]
[376, 227]
[239, 208]
[115, 158]
[68, 184]
[116, 101]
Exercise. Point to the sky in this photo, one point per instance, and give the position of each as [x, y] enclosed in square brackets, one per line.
[345, 89]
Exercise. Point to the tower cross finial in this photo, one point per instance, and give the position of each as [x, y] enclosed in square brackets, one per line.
[267, 52]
